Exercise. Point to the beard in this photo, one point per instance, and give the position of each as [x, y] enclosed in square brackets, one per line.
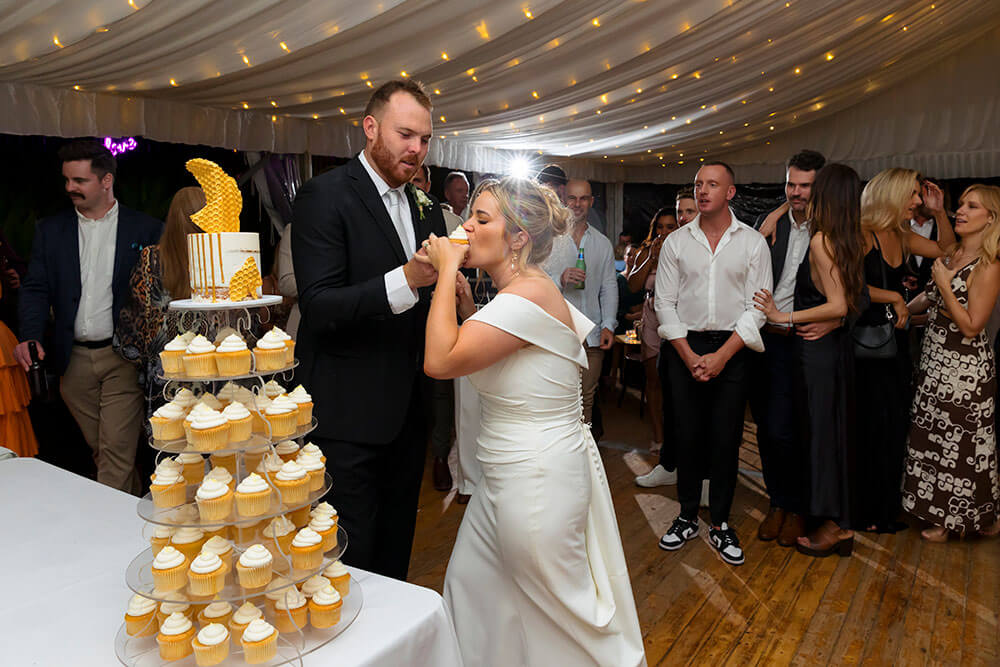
[389, 165]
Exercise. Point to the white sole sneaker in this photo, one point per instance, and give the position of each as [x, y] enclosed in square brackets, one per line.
[658, 476]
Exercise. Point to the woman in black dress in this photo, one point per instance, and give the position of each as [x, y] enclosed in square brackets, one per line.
[883, 384]
[828, 286]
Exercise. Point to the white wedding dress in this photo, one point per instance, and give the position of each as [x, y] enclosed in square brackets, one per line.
[538, 576]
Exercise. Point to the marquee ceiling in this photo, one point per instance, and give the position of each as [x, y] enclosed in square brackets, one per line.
[637, 83]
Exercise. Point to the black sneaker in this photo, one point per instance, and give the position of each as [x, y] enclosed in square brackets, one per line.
[727, 544]
[679, 533]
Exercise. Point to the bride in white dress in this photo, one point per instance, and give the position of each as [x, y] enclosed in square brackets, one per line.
[537, 576]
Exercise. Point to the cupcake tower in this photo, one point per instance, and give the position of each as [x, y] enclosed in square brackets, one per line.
[243, 561]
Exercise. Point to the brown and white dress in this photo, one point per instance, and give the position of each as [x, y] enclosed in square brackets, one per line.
[950, 474]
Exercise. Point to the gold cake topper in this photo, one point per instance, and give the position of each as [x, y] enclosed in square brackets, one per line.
[244, 283]
[224, 201]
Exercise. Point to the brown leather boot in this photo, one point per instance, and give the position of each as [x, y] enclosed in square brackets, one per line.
[793, 528]
[771, 525]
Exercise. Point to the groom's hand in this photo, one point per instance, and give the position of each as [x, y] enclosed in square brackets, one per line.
[419, 271]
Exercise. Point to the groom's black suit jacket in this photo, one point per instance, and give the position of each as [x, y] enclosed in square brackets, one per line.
[358, 360]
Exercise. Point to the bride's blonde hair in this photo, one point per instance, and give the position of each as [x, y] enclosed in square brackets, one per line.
[530, 208]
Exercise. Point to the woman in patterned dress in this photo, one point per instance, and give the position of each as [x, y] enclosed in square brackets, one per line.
[950, 474]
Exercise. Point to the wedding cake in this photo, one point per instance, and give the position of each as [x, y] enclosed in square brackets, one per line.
[223, 263]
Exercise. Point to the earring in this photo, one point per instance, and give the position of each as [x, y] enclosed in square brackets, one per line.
[513, 261]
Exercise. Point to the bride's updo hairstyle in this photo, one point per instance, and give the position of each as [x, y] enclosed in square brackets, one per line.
[531, 208]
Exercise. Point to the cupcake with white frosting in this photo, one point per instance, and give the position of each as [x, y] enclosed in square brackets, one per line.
[254, 567]
[240, 422]
[232, 356]
[140, 617]
[282, 415]
[199, 358]
[188, 540]
[325, 607]
[175, 637]
[287, 450]
[292, 482]
[222, 548]
[211, 645]
[168, 488]
[172, 356]
[339, 577]
[270, 352]
[209, 431]
[259, 642]
[169, 569]
[223, 475]
[214, 499]
[290, 610]
[307, 550]
[253, 496]
[315, 468]
[227, 393]
[304, 400]
[273, 389]
[167, 422]
[207, 574]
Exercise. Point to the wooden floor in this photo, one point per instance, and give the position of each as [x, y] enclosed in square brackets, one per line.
[897, 601]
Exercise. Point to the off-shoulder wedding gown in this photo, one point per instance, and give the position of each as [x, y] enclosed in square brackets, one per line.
[538, 576]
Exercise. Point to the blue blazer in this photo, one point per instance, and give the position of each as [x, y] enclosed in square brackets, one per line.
[53, 280]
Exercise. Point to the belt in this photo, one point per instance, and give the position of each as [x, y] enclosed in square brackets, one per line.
[710, 336]
[93, 344]
[778, 331]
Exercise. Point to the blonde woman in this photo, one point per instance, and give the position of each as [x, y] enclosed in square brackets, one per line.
[538, 574]
[883, 384]
[950, 475]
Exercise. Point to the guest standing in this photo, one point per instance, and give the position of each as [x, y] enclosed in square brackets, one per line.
[772, 400]
[705, 282]
[950, 476]
[285, 270]
[364, 301]
[828, 286]
[643, 278]
[456, 192]
[887, 204]
[80, 265]
[598, 299]
[16, 432]
[160, 276]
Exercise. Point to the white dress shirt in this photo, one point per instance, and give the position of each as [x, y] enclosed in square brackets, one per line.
[923, 229]
[399, 293]
[95, 314]
[701, 290]
[798, 244]
[598, 299]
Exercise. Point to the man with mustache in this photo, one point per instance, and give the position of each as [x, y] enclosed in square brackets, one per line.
[364, 301]
[81, 261]
[773, 371]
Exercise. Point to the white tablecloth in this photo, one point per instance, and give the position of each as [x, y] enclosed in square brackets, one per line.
[66, 542]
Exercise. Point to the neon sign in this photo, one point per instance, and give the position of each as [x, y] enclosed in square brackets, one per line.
[119, 147]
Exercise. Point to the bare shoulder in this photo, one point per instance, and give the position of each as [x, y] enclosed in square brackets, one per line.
[540, 290]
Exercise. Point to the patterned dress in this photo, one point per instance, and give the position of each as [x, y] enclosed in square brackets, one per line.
[951, 459]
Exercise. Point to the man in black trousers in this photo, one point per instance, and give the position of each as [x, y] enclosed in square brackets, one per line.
[772, 401]
[364, 302]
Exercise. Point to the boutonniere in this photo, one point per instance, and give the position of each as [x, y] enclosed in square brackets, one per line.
[423, 201]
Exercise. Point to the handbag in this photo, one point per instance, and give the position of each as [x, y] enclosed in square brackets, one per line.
[876, 341]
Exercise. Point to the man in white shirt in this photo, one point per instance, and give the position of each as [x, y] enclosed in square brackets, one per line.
[707, 275]
[598, 299]
[364, 300]
[81, 261]
[772, 401]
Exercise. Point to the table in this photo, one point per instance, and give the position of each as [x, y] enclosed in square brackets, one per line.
[67, 542]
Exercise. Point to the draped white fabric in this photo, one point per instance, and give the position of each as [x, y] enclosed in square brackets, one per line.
[645, 83]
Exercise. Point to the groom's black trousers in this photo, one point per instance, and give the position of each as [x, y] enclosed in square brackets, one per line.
[375, 491]
[709, 426]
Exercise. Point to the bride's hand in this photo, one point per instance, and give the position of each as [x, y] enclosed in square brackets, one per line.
[444, 255]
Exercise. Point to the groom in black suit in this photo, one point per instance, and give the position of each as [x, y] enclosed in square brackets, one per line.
[364, 302]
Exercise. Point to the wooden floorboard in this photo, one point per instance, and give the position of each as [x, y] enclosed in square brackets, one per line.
[897, 601]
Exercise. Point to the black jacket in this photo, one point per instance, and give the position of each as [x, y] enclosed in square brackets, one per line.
[358, 360]
[780, 246]
[53, 279]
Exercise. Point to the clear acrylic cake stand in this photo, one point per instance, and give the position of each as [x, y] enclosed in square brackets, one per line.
[208, 318]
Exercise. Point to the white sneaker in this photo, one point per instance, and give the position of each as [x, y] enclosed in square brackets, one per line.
[658, 476]
[704, 493]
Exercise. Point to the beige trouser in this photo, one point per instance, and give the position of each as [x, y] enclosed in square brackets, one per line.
[103, 394]
[588, 380]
